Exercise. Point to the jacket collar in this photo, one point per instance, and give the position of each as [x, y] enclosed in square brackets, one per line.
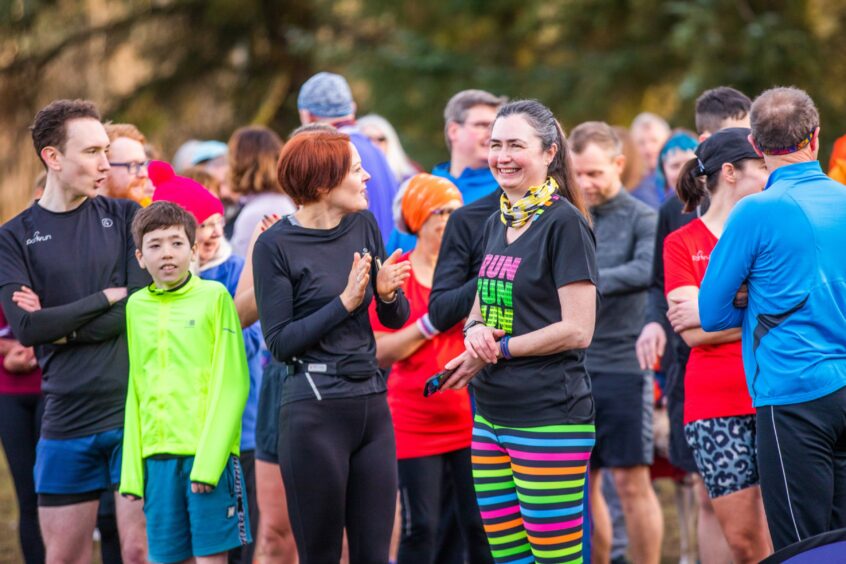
[189, 283]
[794, 171]
[612, 204]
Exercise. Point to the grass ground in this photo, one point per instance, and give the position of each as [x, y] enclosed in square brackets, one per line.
[10, 553]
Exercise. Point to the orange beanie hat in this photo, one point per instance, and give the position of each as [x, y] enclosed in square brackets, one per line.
[419, 197]
[837, 163]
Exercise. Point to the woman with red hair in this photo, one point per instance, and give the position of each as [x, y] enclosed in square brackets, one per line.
[336, 443]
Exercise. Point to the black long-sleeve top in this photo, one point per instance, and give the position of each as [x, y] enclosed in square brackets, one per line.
[67, 259]
[462, 250]
[299, 275]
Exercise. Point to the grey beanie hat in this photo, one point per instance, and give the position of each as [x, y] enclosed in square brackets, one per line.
[326, 95]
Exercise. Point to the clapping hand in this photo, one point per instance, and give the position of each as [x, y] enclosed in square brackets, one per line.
[392, 275]
[353, 294]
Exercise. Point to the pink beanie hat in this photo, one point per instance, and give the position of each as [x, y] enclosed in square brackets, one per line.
[188, 193]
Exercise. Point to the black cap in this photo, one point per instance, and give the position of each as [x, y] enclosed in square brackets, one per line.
[725, 146]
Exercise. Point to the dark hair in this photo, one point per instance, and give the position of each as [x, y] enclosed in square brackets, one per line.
[693, 188]
[715, 106]
[253, 152]
[782, 117]
[49, 127]
[312, 161]
[161, 215]
[550, 133]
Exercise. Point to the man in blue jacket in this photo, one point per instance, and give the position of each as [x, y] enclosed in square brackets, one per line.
[787, 246]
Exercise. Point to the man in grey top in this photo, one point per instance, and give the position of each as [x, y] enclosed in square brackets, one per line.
[625, 239]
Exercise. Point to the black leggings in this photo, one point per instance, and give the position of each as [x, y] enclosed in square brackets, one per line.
[420, 495]
[338, 462]
[20, 426]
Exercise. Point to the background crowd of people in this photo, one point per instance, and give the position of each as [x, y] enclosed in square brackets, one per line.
[224, 356]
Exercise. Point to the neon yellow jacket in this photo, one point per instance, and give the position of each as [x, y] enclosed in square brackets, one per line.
[188, 380]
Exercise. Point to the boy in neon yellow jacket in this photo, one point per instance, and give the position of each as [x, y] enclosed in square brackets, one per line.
[188, 384]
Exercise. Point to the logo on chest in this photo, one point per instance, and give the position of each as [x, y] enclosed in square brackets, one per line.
[107, 222]
[699, 256]
[37, 237]
[495, 286]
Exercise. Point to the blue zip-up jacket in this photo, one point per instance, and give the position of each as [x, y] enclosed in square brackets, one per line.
[473, 183]
[789, 245]
[228, 273]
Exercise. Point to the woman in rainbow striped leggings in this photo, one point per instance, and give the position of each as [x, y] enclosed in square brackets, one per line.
[525, 339]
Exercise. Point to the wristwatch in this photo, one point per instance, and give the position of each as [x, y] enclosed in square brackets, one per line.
[470, 324]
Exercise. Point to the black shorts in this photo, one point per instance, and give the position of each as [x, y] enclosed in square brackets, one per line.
[267, 418]
[681, 455]
[624, 405]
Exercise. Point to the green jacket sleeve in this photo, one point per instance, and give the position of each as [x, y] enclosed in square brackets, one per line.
[132, 465]
[229, 385]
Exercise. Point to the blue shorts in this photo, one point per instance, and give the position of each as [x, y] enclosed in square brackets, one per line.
[182, 524]
[80, 465]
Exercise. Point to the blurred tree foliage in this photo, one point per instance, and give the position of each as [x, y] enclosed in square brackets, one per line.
[200, 68]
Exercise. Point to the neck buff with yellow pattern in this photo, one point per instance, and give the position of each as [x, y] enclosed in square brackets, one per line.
[526, 208]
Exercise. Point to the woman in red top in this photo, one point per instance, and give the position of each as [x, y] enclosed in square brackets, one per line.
[432, 433]
[718, 413]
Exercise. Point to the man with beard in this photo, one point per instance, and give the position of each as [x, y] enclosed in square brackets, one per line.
[128, 177]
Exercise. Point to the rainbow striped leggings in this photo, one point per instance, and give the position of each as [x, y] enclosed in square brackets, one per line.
[530, 486]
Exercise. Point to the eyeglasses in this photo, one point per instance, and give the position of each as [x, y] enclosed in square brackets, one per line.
[133, 167]
[440, 212]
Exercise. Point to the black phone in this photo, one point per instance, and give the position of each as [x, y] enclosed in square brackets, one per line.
[434, 383]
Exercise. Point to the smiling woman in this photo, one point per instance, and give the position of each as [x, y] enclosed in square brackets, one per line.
[533, 318]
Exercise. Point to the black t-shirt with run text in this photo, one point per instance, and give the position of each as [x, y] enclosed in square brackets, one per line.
[67, 259]
[518, 293]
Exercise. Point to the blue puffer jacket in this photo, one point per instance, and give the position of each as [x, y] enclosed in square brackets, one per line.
[226, 268]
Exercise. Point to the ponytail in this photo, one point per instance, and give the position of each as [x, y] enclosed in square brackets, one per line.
[691, 187]
[561, 169]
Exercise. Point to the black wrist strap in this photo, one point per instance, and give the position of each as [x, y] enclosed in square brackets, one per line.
[470, 324]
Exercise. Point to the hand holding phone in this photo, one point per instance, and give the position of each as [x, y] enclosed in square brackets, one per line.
[433, 384]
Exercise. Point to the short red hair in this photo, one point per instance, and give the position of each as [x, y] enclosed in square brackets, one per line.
[313, 160]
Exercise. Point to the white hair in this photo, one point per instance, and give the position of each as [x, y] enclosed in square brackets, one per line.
[398, 161]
